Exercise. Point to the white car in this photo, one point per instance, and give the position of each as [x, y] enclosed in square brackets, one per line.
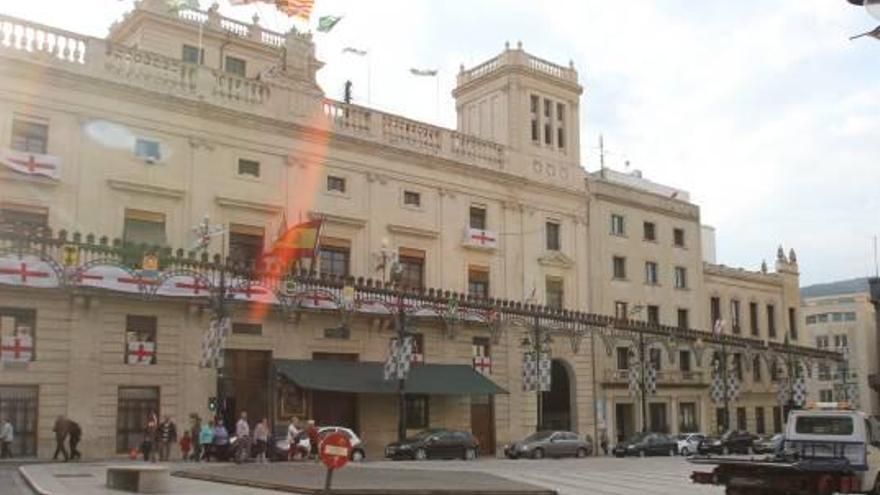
[686, 443]
[358, 453]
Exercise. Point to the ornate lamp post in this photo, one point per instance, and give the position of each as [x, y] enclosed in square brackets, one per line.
[537, 348]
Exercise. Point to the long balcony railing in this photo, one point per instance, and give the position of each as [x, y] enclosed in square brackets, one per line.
[523, 61]
[664, 377]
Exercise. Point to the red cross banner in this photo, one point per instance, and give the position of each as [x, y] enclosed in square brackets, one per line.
[28, 271]
[16, 348]
[318, 300]
[31, 163]
[483, 365]
[481, 238]
[113, 278]
[140, 352]
[184, 285]
[241, 290]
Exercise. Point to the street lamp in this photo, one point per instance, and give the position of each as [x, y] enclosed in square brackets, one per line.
[385, 258]
[643, 371]
[538, 345]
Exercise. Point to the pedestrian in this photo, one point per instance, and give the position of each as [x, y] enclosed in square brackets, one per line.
[75, 433]
[261, 437]
[194, 431]
[185, 444]
[243, 434]
[604, 442]
[293, 438]
[206, 440]
[167, 436]
[221, 440]
[6, 437]
[60, 430]
[148, 445]
[314, 439]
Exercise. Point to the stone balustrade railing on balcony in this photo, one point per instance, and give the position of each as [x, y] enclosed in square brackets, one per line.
[522, 60]
[663, 377]
[42, 41]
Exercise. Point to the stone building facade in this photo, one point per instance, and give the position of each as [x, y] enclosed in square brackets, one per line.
[176, 116]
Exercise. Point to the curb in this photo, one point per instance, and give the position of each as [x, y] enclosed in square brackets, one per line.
[349, 491]
[22, 470]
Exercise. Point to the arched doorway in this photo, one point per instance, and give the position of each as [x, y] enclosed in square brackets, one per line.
[556, 405]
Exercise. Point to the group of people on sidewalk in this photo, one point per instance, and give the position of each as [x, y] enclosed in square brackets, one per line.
[67, 433]
[202, 441]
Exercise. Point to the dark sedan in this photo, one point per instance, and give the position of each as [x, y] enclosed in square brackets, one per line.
[732, 442]
[435, 444]
[645, 444]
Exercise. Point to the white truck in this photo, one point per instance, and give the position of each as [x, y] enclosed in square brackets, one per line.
[827, 449]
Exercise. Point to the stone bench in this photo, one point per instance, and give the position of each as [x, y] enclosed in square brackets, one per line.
[139, 479]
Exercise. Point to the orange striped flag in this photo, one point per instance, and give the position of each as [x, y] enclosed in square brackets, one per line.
[296, 8]
[299, 241]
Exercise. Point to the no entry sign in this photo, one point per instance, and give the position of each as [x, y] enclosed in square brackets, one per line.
[335, 450]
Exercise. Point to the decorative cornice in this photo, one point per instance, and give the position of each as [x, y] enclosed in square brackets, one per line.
[413, 231]
[151, 189]
[556, 259]
[740, 274]
[338, 219]
[248, 205]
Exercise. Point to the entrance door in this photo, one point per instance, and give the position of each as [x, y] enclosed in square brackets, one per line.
[556, 404]
[244, 384]
[483, 423]
[334, 408]
[624, 418]
[19, 404]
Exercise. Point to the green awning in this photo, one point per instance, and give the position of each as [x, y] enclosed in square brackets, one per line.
[367, 378]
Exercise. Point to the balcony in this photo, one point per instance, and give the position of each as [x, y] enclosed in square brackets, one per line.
[664, 377]
[479, 239]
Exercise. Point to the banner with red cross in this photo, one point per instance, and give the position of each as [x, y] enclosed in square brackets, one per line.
[28, 271]
[112, 277]
[18, 348]
[141, 352]
[483, 365]
[184, 286]
[31, 163]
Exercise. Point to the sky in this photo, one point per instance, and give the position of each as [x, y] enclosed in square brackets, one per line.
[764, 111]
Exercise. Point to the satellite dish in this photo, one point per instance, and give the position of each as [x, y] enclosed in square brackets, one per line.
[873, 8]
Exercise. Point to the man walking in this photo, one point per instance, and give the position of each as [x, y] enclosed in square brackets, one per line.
[6, 437]
[75, 433]
[167, 437]
[243, 432]
[195, 431]
[61, 430]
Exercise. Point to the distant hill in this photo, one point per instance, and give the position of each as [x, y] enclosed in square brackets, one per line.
[851, 286]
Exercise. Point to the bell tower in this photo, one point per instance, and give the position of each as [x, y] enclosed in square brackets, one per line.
[526, 103]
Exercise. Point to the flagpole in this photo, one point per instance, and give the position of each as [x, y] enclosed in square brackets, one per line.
[369, 77]
[437, 97]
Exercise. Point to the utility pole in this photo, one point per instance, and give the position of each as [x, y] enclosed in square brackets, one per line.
[536, 338]
[643, 382]
[723, 364]
[401, 382]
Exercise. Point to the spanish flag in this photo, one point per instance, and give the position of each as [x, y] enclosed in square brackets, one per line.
[299, 241]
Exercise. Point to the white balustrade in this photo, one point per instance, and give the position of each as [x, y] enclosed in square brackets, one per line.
[151, 69]
[42, 41]
[239, 89]
[476, 148]
[347, 117]
[416, 134]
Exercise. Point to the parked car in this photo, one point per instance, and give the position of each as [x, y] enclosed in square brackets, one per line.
[767, 444]
[732, 442]
[687, 443]
[435, 444]
[550, 443]
[645, 444]
[358, 449]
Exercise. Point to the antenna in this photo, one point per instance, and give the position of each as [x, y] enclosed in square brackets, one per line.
[876, 265]
[601, 153]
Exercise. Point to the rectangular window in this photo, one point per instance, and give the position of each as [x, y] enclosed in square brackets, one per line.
[241, 328]
[822, 342]
[412, 261]
[19, 338]
[147, 149]
[134, 405]
[655, 357]
[548, 133]
[335, 257]
[620, 310]
[649, 231]
[849, 316]
[840, 341]
[826, 395]
[651, 273]
[416, 411]
[31, 216]
[824, 372]
[535, 103]
[683, 319]
[680, 277]
[335, 183]
[552, 231]
[536, 137]
[623, 358]
[618, 225]
[714, 309]
[619, 267]
[477, 216]
[560, 125]
[193, 55]
[771, 321]
[412, 198]
[245, 244]
[678, 237]
[734, 316]
[753, 319]
[837, 317]
[760, 427]
[560, 137]
[777, 419]
[688, 417]
[478, 282]
[554, 293]
[481, 347]
[29, 136]
[684, 361]
[141, 339]
[792, 323]
[720, 418]
[248, 167]
[235, 65]
[144, 227]
[741, 423]
[653, 314]
[811, 319]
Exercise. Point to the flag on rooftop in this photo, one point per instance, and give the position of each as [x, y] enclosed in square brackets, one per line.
[355, 51]
[423, 72]
[175, 5]
[328, 22]
[296, 8]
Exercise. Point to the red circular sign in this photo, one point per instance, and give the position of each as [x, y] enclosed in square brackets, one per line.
[335, 450]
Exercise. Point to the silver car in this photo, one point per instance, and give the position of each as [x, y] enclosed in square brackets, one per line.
[549, 443]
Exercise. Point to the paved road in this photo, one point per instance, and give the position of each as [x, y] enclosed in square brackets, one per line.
[11, 482]
[593, 476]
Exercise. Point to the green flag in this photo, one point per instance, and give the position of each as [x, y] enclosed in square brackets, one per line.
[176, 5]
[327, 22]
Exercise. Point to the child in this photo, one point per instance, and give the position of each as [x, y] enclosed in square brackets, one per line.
[185, 445]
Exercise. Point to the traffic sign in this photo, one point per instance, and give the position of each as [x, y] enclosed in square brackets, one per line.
[335, 450]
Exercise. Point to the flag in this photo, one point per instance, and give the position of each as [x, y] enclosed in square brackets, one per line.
[175, 5]
[296, 8]
[423, 72]
[328, 22]
[299, 241]
[31, 163]
[354, 51]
